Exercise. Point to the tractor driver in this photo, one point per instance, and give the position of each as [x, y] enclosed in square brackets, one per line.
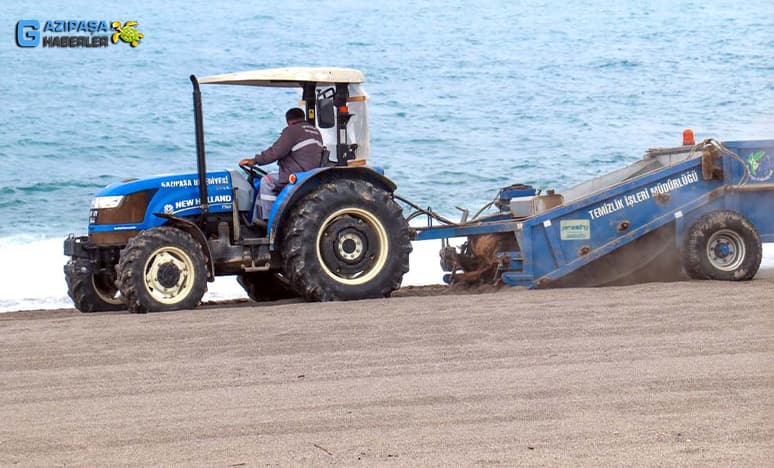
[298, 149]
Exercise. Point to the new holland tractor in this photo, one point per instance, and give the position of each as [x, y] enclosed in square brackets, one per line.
[334, 233]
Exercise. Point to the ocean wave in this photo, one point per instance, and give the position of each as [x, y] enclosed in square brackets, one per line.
[55, 186]
[618, 63]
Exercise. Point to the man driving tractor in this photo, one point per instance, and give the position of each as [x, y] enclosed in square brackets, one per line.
[298, 149]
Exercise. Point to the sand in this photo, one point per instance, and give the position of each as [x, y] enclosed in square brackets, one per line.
[653, 374]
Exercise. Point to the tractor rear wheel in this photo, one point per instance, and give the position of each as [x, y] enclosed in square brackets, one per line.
[162, 269]
[263, 286]
[346, 240]
[92, 292]
[722, 245]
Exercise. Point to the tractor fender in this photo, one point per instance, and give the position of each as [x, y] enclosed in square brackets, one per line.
[191, 228]
[308, 181]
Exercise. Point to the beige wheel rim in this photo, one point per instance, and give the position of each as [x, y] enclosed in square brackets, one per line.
[169, 275]
[376, 264]
[106, 296]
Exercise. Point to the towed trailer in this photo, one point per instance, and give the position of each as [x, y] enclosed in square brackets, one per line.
[701, 210]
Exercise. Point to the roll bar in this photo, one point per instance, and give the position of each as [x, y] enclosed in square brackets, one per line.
[201, 163]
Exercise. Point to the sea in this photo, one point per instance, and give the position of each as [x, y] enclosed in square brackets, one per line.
[465, 97]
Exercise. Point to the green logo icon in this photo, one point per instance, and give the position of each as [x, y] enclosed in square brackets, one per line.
[761, 168]
[127, 33]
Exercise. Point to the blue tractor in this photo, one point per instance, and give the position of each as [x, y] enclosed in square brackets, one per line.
[334, 233]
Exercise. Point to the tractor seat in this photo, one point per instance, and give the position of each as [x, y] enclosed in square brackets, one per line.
[244, 191]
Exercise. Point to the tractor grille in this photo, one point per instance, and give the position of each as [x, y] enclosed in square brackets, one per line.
[131, 210]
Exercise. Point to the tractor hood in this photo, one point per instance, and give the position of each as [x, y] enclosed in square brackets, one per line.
[132, 205]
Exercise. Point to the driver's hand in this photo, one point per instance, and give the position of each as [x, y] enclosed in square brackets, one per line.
[247, 162]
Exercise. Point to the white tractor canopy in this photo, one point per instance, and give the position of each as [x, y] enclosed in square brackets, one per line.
[326, 80]
[291, 77]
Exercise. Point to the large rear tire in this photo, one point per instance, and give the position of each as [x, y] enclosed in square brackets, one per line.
[347, 240]
[162, 269]
[722, 245]
[92, 292]
[265, 286]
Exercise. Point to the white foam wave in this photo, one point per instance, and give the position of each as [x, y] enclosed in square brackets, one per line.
[32, 276]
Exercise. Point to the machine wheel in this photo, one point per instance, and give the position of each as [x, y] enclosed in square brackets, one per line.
[722, 245]
[346, 240]
[264, 286]
[162, 269]
[92, 292]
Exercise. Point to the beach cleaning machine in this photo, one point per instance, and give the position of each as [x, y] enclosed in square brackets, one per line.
[700, 210]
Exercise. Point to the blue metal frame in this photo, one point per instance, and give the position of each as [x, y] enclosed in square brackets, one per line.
[755, 199]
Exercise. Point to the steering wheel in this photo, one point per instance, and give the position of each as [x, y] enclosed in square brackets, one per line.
[252, 172]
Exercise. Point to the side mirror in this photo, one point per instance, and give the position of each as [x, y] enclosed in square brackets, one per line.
[326, 115]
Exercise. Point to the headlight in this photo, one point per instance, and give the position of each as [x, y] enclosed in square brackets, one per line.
[106, 202]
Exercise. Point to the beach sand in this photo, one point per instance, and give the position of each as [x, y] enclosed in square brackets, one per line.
[652, 374]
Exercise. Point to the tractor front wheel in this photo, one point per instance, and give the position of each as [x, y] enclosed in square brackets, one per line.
[92, 291]
[722, 245]
[162, 269]
[346, 240]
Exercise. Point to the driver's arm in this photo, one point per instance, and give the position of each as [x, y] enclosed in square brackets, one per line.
[278, 150]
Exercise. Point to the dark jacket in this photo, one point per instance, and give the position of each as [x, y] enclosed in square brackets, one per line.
[298, 149]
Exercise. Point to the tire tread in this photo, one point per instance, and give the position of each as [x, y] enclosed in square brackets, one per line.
[130, 263]
[81, 291]
[307, 279]
[694, 258]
